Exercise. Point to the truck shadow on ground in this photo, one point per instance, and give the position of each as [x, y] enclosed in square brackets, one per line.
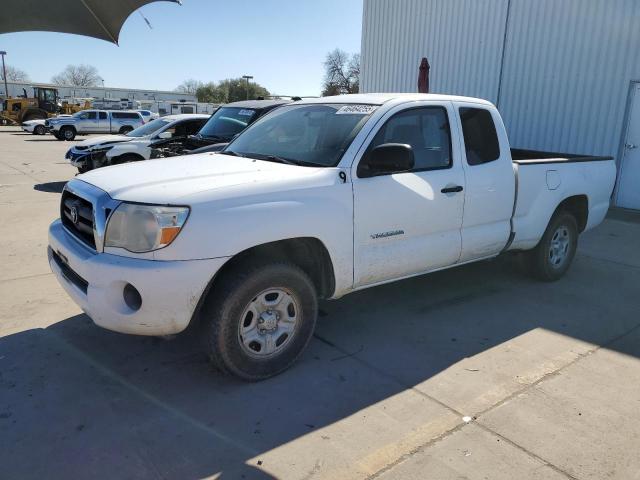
[82, 402]
[50, 187]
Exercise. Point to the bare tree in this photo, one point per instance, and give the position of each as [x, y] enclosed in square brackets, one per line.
[14, 74]
[189, 86]
[342, 73]
[77, 75]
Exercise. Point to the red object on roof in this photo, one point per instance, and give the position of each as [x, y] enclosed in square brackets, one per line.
[423, 76]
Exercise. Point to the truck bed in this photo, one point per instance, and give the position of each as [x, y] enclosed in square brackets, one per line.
[533, 157]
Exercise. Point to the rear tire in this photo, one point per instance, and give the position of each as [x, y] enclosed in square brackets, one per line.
[553, 256]
[68, 133]
[258, 320]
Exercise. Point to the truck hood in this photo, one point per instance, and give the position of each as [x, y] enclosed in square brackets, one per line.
[201, 178]
[102, 141]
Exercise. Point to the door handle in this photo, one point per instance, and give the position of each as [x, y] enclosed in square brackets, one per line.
[631, 146]
[452, 189]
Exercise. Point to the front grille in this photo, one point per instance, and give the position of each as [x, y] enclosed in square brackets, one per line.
[76, 214]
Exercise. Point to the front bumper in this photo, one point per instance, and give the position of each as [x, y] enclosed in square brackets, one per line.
[170, 290]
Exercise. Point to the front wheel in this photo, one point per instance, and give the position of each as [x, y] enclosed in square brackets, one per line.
[68, 133]
[39, 130]
[552, 257]
[258, 320]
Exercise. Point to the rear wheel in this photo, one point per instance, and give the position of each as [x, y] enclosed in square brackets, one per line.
[68, 133]
[257, 321]
[552, 257]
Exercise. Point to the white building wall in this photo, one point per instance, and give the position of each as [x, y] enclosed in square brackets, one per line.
[563, 82]
[567, 73]
[461, 38]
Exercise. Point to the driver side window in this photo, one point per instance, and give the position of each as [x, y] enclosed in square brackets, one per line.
[425, 130]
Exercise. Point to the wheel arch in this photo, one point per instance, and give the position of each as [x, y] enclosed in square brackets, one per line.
[115, 159]
[578, 206]
[308, 253]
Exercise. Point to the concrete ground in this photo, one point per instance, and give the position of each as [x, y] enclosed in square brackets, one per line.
[477, 372]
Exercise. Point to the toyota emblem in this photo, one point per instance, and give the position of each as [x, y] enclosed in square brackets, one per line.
[74, 214]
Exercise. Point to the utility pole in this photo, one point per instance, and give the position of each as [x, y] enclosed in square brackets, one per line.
[247, 78]
[4, 74]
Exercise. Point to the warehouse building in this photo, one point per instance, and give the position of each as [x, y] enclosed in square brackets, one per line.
[565, 74]
[70, 91]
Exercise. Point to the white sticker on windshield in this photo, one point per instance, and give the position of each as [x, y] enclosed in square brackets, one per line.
[246, 113]
[356, 110]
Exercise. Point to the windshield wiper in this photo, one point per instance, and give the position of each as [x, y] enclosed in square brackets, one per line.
[278, 159]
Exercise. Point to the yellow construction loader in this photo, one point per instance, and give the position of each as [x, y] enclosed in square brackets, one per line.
[43, 104]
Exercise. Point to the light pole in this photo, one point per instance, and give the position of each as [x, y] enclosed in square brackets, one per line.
[247, 78]
[4, 74]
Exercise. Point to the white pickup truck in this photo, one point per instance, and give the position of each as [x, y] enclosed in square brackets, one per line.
[315, 200]
[94, 121]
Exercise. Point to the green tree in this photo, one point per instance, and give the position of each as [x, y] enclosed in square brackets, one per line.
[230, 90]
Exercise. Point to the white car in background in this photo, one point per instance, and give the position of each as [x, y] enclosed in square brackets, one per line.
[37, 126]
[134, 146]
[148, 115]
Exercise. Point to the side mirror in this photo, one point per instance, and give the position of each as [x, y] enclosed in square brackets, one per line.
[164, 135]
[389, 158]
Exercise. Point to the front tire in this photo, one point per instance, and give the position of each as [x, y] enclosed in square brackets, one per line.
[68, 133]
[552, 257]
[258, 320]
[39, 130]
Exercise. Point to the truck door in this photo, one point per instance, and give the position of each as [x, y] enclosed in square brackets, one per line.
[103, 122]
[409, 223]
[88, 122]
[490, 181]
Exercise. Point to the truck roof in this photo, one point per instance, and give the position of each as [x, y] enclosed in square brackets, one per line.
[185, 116]
[380, 98]
[257, 103]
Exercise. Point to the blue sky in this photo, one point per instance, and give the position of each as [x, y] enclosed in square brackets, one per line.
[282, 43]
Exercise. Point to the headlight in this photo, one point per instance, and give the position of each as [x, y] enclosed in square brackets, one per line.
[144, 228]
[102, 149]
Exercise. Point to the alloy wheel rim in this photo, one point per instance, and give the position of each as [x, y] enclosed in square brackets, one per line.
[559, 248]
[268, 323]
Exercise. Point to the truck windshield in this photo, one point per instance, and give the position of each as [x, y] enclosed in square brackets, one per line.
[315, 134]
[148, 128]
[227, 121]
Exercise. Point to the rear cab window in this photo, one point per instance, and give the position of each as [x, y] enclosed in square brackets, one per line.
[480, 135]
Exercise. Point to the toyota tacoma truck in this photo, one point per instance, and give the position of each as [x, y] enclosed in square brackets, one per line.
[315, 200]
[94, 121]
[134, 146]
